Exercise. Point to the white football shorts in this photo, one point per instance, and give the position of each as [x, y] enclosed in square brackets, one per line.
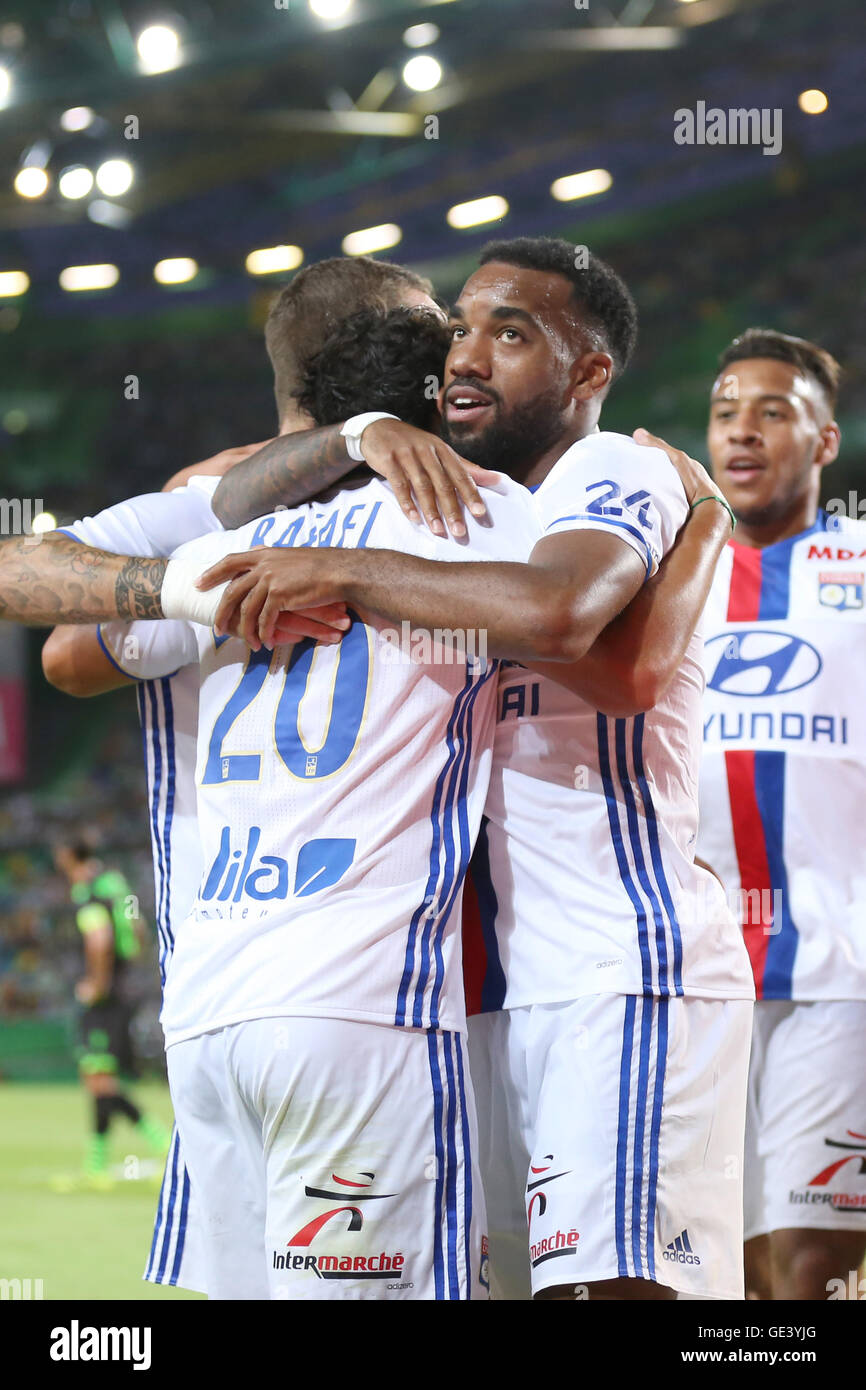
[332, 1160]
[806, 1117]
[612, 1128]
[176, 1257]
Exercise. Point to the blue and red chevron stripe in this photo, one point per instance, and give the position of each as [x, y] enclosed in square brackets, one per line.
[760, 592]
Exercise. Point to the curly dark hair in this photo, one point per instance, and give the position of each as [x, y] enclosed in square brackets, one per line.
[316, 301]
[807, 357]
[606, 306]
[375, 360]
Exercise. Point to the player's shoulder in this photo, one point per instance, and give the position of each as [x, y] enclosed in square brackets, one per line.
[206, 483]
[606, 452]
[508, 531]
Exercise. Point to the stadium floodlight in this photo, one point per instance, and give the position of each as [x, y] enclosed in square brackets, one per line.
[31, 181]
[89, 277]
[813, 101]
[77, 118]
[422, 73]
[158, 49]
[13, 282]
[114, 177]
[5, 85]
[421, 35]
[330, 9]
[584, 185]
[274, 258]
[75, 182]
[42, 522]
[176, 270]
[480, 210]
[371, 239]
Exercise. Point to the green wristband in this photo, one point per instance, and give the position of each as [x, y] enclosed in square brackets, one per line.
[711, 497]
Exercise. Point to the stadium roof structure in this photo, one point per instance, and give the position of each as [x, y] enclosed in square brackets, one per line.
[277, 127]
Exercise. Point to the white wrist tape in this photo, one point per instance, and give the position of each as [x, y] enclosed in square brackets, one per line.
[354, 428]
[181, 599]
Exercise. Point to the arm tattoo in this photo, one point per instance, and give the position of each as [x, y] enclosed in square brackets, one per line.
[52, 579]
[287, 471]
[138, 588]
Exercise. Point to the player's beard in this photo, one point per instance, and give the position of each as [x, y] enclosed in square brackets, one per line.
[512, 443]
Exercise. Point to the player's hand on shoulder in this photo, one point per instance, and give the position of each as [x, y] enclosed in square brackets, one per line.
[694, 477]
[428, 477]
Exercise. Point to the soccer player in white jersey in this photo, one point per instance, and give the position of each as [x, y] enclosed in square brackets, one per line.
[613, 1067]
[783, 795]
[230, 879]
[89, 660]
[314, 1005]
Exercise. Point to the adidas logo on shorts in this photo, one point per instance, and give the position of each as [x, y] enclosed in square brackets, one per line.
[680, 1251]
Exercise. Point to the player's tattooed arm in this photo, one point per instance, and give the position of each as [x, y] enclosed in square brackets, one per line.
[53, 579]
[428, 478]
[292, 468]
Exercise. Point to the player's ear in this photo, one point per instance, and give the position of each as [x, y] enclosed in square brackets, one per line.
[592, 373]
[828, 444]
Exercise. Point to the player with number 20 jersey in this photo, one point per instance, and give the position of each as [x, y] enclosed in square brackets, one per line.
[314, 1011]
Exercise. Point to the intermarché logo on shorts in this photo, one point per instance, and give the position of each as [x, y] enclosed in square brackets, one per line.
[385, 1265]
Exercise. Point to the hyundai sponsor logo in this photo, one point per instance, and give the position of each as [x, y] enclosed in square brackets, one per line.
[758, 662]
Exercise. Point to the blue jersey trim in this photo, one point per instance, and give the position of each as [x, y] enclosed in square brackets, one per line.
[781, 947]
[436, 1081]
[451, 1178]
[461, 777]
[494, 983]
[619, 851]
[467, 1168]
[181, 1230]
[116, 664]
[622, 1134]
[770, 774]
[426, 907]
[640, 865]
[656, 852]
[171, 778]
[609, 521]
[163, 1259]
[661, 1008]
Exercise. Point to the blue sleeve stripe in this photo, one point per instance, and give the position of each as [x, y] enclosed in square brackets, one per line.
[62, 531]
[116, 664]
[608, 521]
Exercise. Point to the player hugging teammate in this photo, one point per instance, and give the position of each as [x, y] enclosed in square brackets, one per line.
[314, 999]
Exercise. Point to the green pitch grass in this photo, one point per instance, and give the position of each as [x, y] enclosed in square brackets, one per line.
[82, 1244]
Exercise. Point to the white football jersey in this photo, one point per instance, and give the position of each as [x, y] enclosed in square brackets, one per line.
[584, 873]
[156, 524]
[783, 778]
[340, 793]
